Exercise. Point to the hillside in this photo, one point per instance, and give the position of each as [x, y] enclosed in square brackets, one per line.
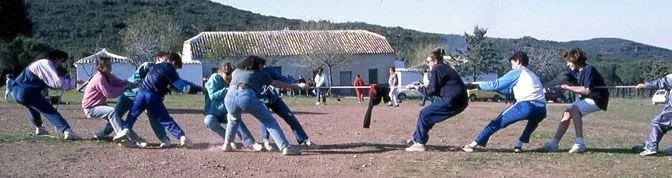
[81, 27]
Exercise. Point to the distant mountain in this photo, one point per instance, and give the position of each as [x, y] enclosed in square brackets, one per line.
[83, 26]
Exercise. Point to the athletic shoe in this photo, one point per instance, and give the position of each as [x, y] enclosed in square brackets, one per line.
[578, 148]
[469, 148]
[647, 153]
[396, 105]
[318, 103]
[70, 135]
[41, 131]
[121, 135]
[517, 149]
[548, 147]
[408, 142]
[185, 142]
[234, 146]
[165, 143]
[416, 147]
[310, 144]
[257, 147]
[141, 144]
[227, 147]
[287, 151]
[268, 146]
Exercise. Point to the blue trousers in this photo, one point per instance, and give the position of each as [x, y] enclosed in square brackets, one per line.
[240, 101]
[524, 110]
[153, 103]
[36, 105]
[281, 109]
[436, 112]
[660, 124]
[425, 98]
[123, 105]
[214, 123]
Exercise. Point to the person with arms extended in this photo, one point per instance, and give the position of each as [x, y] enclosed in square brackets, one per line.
[447, 85]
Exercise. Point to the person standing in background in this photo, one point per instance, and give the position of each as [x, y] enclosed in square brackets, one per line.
[358, 83]
[394, 89]
[8, 85]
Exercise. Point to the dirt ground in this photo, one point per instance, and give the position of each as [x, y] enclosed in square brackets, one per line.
[348, 150]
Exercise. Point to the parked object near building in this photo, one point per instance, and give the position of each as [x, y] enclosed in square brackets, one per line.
[659, 97]
[555, 95]
[482, 95]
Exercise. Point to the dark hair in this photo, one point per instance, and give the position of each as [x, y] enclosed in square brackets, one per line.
[175, 59]
[520, 57]
[102, 61]
[438, 55]
[319, 70]
[159, 54]
[393, 69]
[53, 55]
[357, 75]
[225, 68]
[252, 62]
[576, 56]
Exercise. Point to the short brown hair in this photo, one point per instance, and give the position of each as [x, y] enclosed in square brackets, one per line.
[226, 68]
[576, 56]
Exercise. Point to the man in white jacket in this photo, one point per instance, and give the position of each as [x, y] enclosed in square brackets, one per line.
[321, 80]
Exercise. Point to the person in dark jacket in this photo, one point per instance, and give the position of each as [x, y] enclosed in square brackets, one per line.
[447, 85]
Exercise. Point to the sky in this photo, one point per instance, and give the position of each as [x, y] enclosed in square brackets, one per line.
[647, 22]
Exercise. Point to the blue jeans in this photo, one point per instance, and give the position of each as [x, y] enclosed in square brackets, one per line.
[434, 113]
[153, 103]
[108, 113]
[320, 95]
[123, 105]
[281, 109]
[36, 105]
[524, 110]
[214, 123]
[238, 101]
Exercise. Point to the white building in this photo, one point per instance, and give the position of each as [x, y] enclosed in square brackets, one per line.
[122, 67]
[369, 54]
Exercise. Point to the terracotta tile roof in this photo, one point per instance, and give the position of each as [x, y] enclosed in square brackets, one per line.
[94, 57]
[287, 42]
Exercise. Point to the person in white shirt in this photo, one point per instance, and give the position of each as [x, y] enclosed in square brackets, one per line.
[321, 80]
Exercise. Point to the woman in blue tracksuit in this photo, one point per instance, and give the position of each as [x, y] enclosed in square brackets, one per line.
[530, 102]
[243, 96]
[662, 122]
[150, 97]
[445, 83]
[36, 77]
[215, 111]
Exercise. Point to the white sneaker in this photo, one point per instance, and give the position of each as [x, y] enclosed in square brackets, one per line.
[70, 135]
[41, 131]
[121, 135]
[287, 151]
[647, 153]
[318, 103]
[268, 146]
[548, 147]
[310, 144]
[578, 148]
[141, 144]
[416, 147]
[185, 142]
[234, 146]
[165, 143]
[469, 148]
[257, 147]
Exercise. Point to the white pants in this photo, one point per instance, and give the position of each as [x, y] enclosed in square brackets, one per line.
[585, 106]
[7, 93]
[393, 96]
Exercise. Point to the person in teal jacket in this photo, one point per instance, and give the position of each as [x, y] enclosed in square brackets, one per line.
[215, 111]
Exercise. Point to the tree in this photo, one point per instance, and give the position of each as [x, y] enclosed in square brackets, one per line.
[14, 20]
[480, 54]
[148, 33]
[545, 63]
[19, 53]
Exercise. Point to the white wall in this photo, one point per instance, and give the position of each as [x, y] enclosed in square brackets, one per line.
[192, 73]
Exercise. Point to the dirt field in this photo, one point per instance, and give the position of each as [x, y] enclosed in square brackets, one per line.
[348, 150]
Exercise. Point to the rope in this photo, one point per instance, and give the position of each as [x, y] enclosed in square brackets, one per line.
[352, 87]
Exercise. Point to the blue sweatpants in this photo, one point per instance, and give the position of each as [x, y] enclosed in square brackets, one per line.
[281, 109]
[435, 112]
[124, 104]
[152, 102]
[660, 124]
[524, 110]
[36, 105]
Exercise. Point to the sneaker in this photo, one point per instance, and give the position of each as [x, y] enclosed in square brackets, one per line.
[257, 147]
[548, 147]
[121, 135]
[468, 148]
[233, 146]
[517, 149]
[268, 146]
[141, 144]
[396, 105]
[578, 148]
[318, 103]
[41, 131]
[227, 147]
[70, 135]
[416, 147]
[290, 151]
[310, 144]
[185, 142]
[165, 143]
[408, 142]
[647, 153]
